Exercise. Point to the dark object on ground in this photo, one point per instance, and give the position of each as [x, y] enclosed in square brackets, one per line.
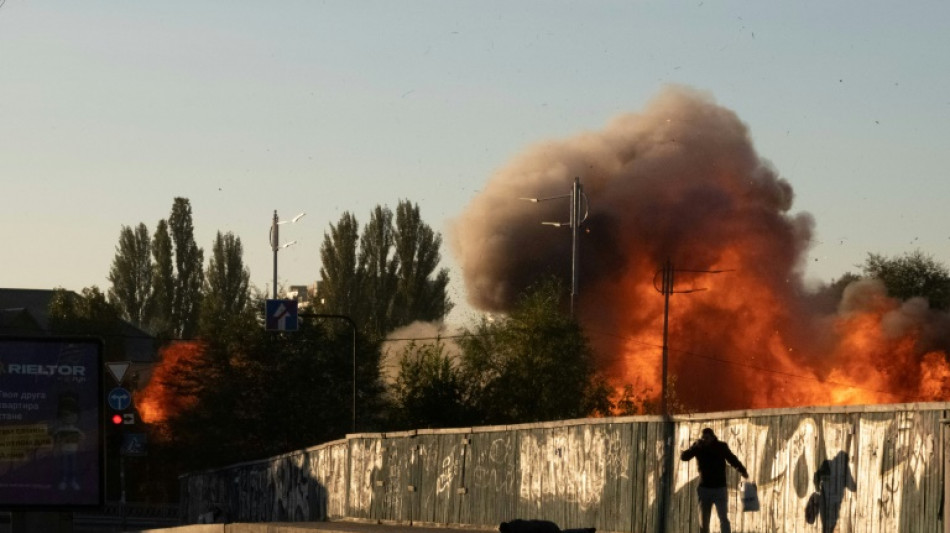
[539, 526]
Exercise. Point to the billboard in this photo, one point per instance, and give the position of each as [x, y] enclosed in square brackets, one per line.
[50, 422]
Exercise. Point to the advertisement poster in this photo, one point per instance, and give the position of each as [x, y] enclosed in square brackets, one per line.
[50, 422]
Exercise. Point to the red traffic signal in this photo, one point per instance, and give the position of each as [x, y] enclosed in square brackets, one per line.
[122, 418]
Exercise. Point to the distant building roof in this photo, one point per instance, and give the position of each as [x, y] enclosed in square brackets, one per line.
[19, 321]
[34, 301]
[26, 312]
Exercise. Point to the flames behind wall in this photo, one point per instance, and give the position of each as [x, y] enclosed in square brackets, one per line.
[682, 182]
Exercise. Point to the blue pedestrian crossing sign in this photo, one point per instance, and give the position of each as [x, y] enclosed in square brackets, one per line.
[134, 445]
[280, 315]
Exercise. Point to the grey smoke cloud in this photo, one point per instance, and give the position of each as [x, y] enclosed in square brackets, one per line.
[681, 176]
[681, 181]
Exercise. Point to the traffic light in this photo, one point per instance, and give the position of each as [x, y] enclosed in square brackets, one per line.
[119, 419]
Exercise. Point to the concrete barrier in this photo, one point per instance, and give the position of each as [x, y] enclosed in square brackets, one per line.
[877, 468]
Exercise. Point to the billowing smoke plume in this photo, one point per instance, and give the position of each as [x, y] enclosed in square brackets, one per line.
[682, 182]
[414, 335]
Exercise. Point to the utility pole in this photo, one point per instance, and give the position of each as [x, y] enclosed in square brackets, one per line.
[667, 288]
[580, 210]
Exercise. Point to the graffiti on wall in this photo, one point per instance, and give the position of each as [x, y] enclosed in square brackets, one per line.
[366, 460]
[824, 472]
[829, 471]
[493, 467]
[448, 469]
[572, 464]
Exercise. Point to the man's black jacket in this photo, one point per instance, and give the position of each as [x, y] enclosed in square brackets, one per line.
[712, 457]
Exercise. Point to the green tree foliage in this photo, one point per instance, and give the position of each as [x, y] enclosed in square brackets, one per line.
[535, 365]
[387, 281]
[429, 390]
[532, 366]
[418, 295]
[189, 260]
[87, 314]
[341, 283]
[163, 282]
[911, 275]
[157, 283]
[131, 275]
[227, 285]
[258, 393]
[377, 269]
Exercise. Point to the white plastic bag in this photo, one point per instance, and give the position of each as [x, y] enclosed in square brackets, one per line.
[750, 497]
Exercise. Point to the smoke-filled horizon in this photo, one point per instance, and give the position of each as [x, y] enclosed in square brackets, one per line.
[681, 181]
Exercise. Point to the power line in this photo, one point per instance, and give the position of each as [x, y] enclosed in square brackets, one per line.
[441, 337]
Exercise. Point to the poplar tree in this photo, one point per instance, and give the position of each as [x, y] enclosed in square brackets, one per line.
[131, 275]
[188, 270]
[163, 282]
[339, 271]
[387, 282]
[378, 266]
[227, 285]
[418, 295]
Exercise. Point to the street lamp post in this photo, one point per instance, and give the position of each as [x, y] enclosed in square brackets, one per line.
[275, 241]
[578, 201]
[353, 328]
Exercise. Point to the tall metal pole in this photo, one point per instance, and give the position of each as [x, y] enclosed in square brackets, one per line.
[122, 487]
[274, 244]
[353, 327]
[667, 420]
[575, 225]
[667, 290]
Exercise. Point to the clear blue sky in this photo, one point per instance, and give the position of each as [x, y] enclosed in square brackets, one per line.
[108, 110]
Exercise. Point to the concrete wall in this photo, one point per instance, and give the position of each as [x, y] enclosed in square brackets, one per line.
[870, 468]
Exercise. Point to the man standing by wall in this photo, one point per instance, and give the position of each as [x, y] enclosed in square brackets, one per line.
[712, 455]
